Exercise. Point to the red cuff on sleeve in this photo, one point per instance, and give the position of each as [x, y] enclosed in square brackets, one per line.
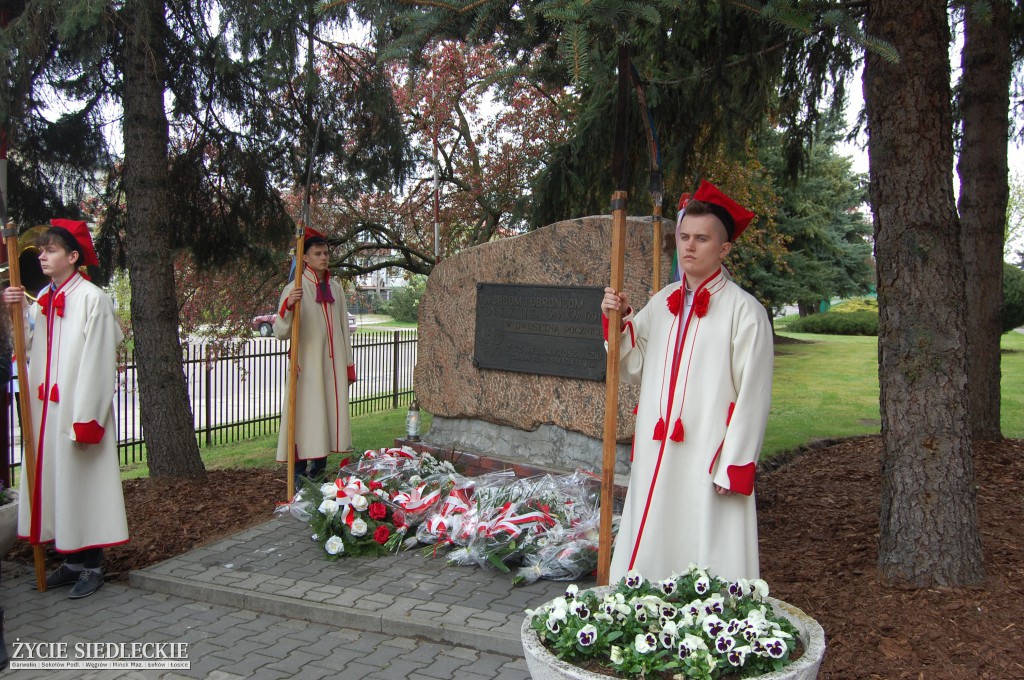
[352, 373]
[741, 478]
[284, 308]
[88, 433]
[604, 323]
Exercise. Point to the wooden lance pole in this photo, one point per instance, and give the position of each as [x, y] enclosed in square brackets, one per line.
[10, 233]
[618, 252]
[293, 362]
[611, 400]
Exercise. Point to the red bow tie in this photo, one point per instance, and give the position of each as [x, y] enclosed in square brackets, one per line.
[57, 302]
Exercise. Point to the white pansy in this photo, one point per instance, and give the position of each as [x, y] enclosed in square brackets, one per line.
[634, 579]
[760, 588]
[334, 545]
[571, 591]
[702, 585]
[645, 643]
[554, 625]
[358, 527]
[738, 655]
[579, 609]
[712, 625]
[329, 491]
[667, 586]
[615, 655]
[360, 503]
[724, 643]
[587, 635]
[559, 607]
[328, 507]
[603, 617]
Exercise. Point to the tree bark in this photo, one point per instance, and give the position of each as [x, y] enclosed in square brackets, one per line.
[984, 192]
[163, 395]
[928, 525]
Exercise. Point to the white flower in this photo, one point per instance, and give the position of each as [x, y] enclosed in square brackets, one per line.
[691, 645]
[634, 579]
[668, 634]
[360, 503]
[702, 585]
[329, 491]
[667, 586]
[559, 608]
[760, 588]
[587, 635]
[615, 655]
[645, 643]
[773, 646]
[713, 626]
[737, 656]
[724, 643]
[603, 617]
[415, 480]
[579, 609]
[358, 527]
[328, 507]
[334, 545]
[553, 624]
[315, 537]
[571, 591]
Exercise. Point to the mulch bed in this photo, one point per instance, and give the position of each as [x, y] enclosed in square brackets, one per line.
[818, 513]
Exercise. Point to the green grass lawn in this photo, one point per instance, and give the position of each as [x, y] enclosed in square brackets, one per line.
[370, 431]
[825, 387]
[829, 388]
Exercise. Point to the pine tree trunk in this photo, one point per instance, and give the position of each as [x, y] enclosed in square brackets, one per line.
[984, 191]
[163, 395]
[928, 525]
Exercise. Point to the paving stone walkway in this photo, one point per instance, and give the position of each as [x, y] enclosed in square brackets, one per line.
[265, 604]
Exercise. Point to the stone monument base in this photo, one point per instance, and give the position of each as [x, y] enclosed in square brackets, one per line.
[480, 447]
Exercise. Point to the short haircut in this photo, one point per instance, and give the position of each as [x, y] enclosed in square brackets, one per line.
[695, 207]
[61, 237]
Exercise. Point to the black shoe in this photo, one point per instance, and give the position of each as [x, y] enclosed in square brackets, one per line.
[61, 576]
[88, 583]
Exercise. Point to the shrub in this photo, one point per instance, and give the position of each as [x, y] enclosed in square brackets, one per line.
[837, 323]
[404, 304]
[1013, 297]
[863, 304]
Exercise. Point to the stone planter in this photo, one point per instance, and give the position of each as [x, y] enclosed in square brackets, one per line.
[545, 666]
[8, 526]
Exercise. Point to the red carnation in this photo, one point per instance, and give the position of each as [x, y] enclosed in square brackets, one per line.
[674, 301]
[398, 517]
[375, 485]
[701, 302]
[377, 510]
[381, 535]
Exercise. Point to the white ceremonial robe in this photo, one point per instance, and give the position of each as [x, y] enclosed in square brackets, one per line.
[78, 502]
[708, 380]
[326, 368]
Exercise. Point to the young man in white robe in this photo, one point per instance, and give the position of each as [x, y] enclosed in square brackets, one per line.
[702, 352]
[326, 364]
[77, 502]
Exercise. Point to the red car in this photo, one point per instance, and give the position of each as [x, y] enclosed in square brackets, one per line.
[264, 323]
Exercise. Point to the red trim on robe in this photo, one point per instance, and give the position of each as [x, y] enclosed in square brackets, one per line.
[741, 478]
[284, 308]
[88, 433]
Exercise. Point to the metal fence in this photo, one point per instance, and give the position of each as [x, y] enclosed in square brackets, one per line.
[237, 393]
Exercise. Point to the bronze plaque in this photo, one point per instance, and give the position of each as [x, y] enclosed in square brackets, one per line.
[548, 330]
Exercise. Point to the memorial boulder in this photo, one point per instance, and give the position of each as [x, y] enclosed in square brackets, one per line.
[511, 359]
